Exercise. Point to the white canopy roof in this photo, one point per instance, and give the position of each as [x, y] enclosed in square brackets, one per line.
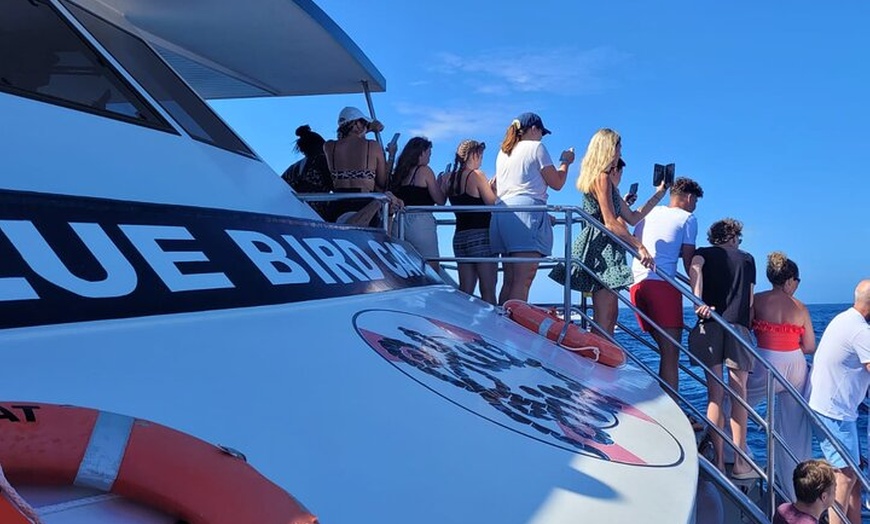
[247, 48]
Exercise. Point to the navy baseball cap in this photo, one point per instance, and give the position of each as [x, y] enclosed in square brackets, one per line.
[528, 120]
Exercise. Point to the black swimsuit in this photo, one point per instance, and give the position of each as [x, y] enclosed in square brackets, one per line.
[413, 195]
[469, 220]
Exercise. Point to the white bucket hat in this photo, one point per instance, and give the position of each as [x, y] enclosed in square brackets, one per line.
[351, 114]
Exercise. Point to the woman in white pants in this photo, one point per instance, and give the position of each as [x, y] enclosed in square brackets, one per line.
[784, 333]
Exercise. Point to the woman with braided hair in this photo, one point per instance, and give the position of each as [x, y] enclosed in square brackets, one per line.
[468, 186]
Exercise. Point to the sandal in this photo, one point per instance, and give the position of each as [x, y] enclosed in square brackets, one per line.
[746, 475]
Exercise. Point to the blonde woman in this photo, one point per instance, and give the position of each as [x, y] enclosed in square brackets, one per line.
[600, 175]
[468, 186]
[523, 174]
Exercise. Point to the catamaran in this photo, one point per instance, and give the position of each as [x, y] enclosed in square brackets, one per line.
[156, 273]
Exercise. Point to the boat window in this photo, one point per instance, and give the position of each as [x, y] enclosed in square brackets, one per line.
[159, 80]
[42, 57]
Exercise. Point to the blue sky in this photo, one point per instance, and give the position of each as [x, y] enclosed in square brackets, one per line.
[763, 103]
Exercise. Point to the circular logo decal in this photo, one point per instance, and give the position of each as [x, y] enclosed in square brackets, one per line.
[517, 390]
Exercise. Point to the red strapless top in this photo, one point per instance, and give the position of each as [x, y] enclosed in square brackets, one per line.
[778, 337]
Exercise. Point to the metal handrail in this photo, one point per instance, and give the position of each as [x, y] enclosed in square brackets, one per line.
[338, 197]
[746, 345]
[765, 424]
[746, 504]
[773, 372]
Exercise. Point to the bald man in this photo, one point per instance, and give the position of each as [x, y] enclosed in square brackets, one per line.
[840, 379]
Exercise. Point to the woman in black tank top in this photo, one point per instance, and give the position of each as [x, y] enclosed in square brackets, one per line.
[414, 183]
[468, 186]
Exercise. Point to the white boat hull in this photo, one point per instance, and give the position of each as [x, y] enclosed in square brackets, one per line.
[354, 436]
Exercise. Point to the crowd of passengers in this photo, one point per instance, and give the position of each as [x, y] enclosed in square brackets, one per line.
[721, 275]
[525, 172]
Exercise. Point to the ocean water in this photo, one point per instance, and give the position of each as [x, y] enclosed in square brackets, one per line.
[696, 393]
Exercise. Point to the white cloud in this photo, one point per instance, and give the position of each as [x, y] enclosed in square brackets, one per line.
[439, 123]
[505, 71]
[479, 94]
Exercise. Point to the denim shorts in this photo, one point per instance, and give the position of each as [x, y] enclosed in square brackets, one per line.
[846, 431]
[521, 231]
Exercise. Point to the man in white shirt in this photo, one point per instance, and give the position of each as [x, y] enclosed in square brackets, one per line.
[840, 379]
[668, 233]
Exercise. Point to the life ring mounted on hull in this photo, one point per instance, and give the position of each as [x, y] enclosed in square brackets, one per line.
[547, 324]
[49, 444]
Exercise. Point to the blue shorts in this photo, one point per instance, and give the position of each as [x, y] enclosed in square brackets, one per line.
[846, 431]
[521, 231]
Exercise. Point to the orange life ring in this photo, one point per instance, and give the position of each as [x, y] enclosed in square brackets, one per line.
[546, 323]
[183, 476]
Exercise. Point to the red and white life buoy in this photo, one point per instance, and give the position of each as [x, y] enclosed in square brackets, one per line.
[48, 444]
[547, 324]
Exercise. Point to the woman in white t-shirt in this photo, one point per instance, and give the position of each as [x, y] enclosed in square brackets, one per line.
[523, 173]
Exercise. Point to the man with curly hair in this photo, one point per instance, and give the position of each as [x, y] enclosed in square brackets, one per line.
[723, 277]
[669, 233]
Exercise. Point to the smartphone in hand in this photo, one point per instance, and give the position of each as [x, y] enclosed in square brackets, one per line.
[449, 168]
[395, 139]
[631, 196]
[663, 173]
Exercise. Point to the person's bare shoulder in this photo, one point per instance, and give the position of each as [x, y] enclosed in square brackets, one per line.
[478, 178]
[801, 306]
[762, 300]
[762, 296]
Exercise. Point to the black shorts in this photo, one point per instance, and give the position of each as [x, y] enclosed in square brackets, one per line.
[713, 345]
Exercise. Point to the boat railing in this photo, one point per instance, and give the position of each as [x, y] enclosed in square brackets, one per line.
[570, 215]
[750, 512]
[338, 197]
[774, 439]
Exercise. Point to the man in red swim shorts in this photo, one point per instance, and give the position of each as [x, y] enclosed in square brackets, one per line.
[668, 233]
